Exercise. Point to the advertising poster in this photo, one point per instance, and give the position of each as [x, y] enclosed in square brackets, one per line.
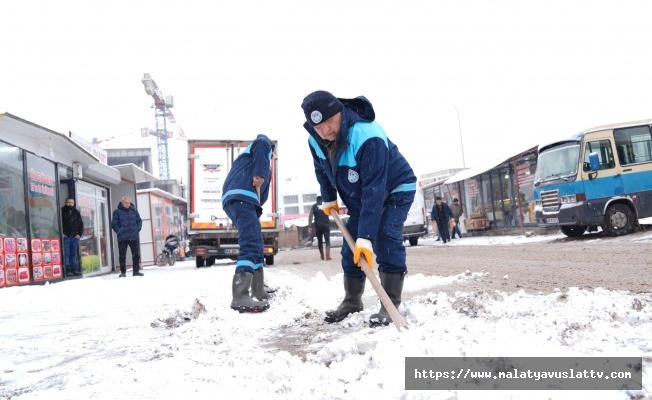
[9, 262]
[46, 259]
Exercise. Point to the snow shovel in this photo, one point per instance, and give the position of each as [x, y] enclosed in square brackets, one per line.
[389, 306]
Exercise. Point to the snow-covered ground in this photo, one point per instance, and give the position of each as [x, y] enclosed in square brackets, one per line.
[171, 334]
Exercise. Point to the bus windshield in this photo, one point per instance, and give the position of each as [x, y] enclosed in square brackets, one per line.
[558, 162]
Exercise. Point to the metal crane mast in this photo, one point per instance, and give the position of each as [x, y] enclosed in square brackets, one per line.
[162, 105]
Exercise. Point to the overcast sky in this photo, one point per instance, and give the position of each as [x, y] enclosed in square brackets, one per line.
[521, 72]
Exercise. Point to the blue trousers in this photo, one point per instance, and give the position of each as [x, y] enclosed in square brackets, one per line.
[456, 229]
[250, 237]
[70, 251]
[388, 245]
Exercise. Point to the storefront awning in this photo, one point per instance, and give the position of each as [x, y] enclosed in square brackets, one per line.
[103, 173]
[134, 173]
[163, 194]
[486, 166]
[41, 140]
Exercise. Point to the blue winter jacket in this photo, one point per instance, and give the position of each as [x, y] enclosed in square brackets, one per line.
[253, 161]
[126, 222]
[367, 168]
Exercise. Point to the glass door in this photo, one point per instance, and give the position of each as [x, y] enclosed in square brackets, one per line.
[94, 244]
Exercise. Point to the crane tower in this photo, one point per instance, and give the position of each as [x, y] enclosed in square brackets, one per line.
[162, 105]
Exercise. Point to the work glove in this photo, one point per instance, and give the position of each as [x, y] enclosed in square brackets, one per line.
[327, 206]
[363, 247]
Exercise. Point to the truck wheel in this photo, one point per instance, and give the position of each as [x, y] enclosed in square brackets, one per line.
[269, 260]
[618, 220]
[413, 240]
[573, 231]
[199, 261]
[210, 261]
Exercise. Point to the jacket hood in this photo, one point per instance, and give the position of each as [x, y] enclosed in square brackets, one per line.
[360, 109]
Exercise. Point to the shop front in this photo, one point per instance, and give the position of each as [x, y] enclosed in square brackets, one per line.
[496, 195]
[39, 169]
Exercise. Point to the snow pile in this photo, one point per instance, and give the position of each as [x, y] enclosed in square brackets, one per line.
[171, 334]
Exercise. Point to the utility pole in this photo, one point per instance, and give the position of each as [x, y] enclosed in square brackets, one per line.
[459, 126]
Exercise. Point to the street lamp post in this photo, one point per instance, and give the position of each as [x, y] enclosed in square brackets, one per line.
[459, 126]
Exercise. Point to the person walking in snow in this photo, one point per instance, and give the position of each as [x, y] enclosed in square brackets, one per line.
[249, 175]
[318, 223]
[126, 223]
[352, 156]
[73, 229]
[441, 216]
[456, 213]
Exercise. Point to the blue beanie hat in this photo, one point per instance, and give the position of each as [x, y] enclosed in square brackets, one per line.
[319, 106]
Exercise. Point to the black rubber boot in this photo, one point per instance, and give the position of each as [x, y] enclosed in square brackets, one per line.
[352, 303]
[393, 285]
[242, 301]
[258, 285]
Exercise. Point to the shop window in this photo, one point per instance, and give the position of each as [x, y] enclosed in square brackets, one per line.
[13, 221]
[525, 169]
[44, 218]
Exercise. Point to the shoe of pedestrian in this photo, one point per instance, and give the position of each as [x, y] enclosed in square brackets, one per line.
[122, 276]
[138, 274]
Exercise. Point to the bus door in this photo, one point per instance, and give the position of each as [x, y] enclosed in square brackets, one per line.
[607, 181]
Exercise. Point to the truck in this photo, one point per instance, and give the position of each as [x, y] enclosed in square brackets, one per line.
[601, 177]
[211, 234]
[416, 224]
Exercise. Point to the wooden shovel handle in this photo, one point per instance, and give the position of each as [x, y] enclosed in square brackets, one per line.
[389, 306]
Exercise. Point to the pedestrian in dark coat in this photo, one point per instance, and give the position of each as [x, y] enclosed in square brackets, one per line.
[441, 215]
[250, 172]
[126, 223]
[319, 224]
[353, 157]
[73, 229]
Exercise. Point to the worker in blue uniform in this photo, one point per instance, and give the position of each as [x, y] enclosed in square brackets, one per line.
[353, 157]
[250, 174]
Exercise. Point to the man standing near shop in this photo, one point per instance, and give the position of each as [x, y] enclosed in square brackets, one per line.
[126, 223]
[73, 229]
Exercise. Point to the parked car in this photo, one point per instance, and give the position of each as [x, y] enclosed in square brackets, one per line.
[337, 239]
[416, 224]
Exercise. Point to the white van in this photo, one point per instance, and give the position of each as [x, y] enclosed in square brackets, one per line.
[416, 224]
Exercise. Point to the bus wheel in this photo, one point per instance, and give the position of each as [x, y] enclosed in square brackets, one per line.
[618, 220]
[573, 231]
